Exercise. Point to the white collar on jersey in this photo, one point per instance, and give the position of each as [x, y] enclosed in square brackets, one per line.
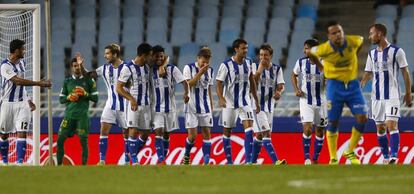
[74, 77]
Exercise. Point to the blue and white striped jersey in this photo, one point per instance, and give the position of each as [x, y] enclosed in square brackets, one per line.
[313, 84]
[384, 66]
[164, 88]
[235, 78]
[10, 91]
[267, 86]
[110, 76]
[138, 76]
[199, 96]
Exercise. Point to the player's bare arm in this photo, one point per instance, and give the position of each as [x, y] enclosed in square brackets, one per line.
[314, 58]
[197, 77]
[298, 91]
[222, 100]
[279, 90]
[185, 95]
[120, 88]
[253, 89]
[365, 78]
[407, 82]
[24, 82]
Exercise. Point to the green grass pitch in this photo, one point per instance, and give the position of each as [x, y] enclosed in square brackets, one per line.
[208, 179]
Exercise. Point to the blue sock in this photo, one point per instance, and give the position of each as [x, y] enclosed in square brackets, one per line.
[306, 141]
[103, 146]
[141, 144]
[166, 144]
[21, 149]
[267, 143]
[206, 151]
[394, 143]
[126, 151]
[227, 149]
[132, 147]
[248, 144]
[4, 150]
[383, 143]
[317, 147]
[188, 146]
[159, 148]
[257, 146]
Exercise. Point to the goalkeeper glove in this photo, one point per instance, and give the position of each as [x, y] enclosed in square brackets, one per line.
[73, 97]
[80, 91]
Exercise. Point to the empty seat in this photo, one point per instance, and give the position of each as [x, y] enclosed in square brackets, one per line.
[253, 38]
[314, 3]
[387, 11]
[157, 24]
[227, 37]
[205, 30]
[406, 24]
[136, 11]
[158, 11]
[236, 3]
[232, 12]
[231, 24]
[258, 2]
[133, 30]
[208, 11]
[283, 12]
[185, 3]
[219, 54]
[110, 9]
[209, 2]
[408, 11]
[134, 2]
[181, 31]
[279, 24]
[304, 24]
[257, 11]
[157, 37]
[159, 2]
[85, 9]
[255, 24]
[289, 3]
[307, 11]
[181, 11]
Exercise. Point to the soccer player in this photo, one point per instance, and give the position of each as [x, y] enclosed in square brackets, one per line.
[234, 82]
[382, 64]
[198, 111]
[15, 104]
[340, 67]
[165, 115]
[138, 110]
[76, 93]
[269, 79]
[113, 112]
[312, 101]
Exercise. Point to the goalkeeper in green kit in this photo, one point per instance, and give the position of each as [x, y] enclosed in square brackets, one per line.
[76, 93]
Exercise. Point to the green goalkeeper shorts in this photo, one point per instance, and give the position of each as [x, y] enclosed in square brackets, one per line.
[70, 127]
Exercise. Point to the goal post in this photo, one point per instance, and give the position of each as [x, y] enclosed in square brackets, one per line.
[24, 23]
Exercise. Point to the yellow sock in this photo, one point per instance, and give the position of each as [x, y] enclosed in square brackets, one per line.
[353, 141]
[332, 143]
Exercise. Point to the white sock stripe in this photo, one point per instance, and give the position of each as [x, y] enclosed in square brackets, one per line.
[258, 140]
[226, 137]
[3, 140]
[267, 138]
[21, 139]
[306, 137]
[320, 138]
[140, 139]
[165, 139]
[158, 137]
[395, 131]
[380, 135]
[188, 141]
[104, 137]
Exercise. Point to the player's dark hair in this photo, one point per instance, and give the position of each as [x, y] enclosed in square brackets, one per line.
[331, 23]
[238, 42]
[143, 49]
[267, 47]
[158, 49]
[204, 52]
[311, 42]
[380, 27]
[114, 48]
[16, 44]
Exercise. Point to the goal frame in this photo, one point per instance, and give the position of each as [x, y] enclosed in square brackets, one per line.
[36, 71]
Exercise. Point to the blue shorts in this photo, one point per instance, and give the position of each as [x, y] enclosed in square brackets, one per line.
[338, 93]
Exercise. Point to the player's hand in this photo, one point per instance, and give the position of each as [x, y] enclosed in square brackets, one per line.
[92, 74]
[79, 58]
[73, 97]
[408, 100]
[222, 102]
[80, 91]
[134, 105]
[32, 106]
[186, 97]
[204, 69]
[362, 85]
[299, 93]
[45, 83]
[257, 108]
[277, 95]
[162, 72]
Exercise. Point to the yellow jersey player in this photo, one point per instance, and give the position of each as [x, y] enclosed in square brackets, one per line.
[340, 66]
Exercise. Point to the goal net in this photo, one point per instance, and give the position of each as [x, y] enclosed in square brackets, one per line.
[22, 21]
